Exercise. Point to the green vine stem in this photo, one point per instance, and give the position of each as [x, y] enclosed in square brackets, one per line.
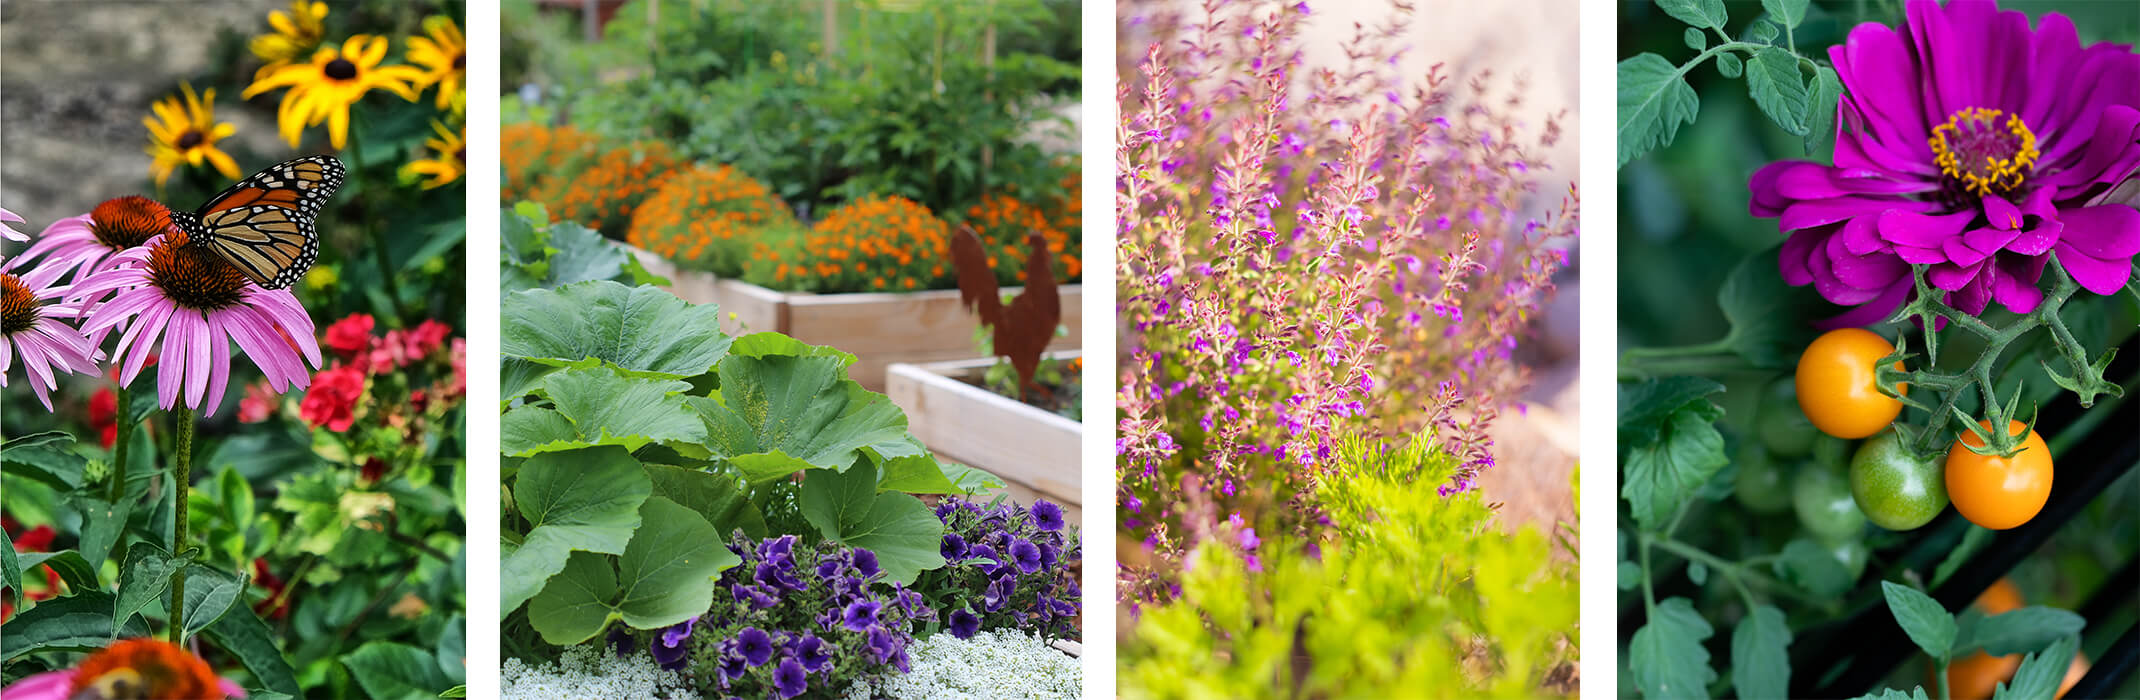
[181, 484]
[1926, 306]
[122, 434]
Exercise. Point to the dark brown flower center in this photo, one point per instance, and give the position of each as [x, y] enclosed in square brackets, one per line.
[461, 154]
[18, 307]
[460, 61]
[128, 222]
[193, 276]
[1984, 152]
[341, 69]
[190, 139]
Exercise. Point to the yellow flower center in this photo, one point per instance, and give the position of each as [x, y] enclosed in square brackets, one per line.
[341, 69]
[127, 222]
[1983, 154]
[193, 276]
[18, 307]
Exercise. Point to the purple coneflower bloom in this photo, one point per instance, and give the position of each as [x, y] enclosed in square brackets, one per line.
[32, 330]
[85, 244]
[1971, 144]
[9, 232]
[195, 301]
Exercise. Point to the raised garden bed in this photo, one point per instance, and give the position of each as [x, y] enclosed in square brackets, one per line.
[1032, 449]
[880, 328]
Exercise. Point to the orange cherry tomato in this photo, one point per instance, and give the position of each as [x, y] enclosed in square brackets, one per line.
[1835, 384]
[1999, 492]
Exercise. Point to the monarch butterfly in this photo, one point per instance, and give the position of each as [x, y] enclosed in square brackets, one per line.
[263, 224]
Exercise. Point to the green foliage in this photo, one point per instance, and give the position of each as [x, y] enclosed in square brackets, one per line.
[641, 434]
[2049, 636]
[1676, 447]
[536, 253]
[1655, 98]
[1426, 579]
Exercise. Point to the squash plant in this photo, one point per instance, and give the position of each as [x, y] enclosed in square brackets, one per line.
[637, 438]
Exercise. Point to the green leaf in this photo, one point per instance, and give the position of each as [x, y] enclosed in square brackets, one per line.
[1893, 694]
[76, 571]
[245, 636]
[846, 507]
[1654, 101]
[1778, 88]
[1761, 31]
[144, 578]
[1663, 476]
[1646, 406]
[803, 406]
[1695, 39]
[575, 605]
[603, 404]
[103, 522]
[1730, 66]
[210, 592]
[1630, 575]
[10, 570]
[917, 474]
[47, 458]
[1788, 12]
[1667, 656]
[1821, 110]
[583, 500]
[2020, 631]
[1814, 568]
[2040, 673]
[668, 572]
[80, 622]
[531, 429]
[1760, 654]
[582, 255]
[1698, 573]
[1922, 618]
[643, 330]
[970, 480]
[720, 499]
[1768, 325]
[393, 671]
[451, 652]
[459, 691]
[518, 377]
[1707, 14]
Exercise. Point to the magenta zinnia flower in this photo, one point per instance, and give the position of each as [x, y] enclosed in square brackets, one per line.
[85, 244]
[195, 300]
[31, 328]
[1972, 145]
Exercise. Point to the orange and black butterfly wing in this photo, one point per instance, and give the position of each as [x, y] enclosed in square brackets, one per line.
[263, 225]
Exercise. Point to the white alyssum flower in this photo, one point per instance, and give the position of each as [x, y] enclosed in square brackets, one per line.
[590, 671]
[993, 664]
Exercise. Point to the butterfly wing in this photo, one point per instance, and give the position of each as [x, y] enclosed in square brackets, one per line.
[263, 225]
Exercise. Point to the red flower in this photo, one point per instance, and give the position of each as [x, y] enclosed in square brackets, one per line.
[374, 469]
[38, 539]
[274, 586]
[428, 337]
[459, 358]
[259, 403]
[389, 354]
[350, 336]
[419, 400]
[332, 400]
[104, 415]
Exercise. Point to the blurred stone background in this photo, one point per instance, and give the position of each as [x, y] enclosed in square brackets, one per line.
[78, 76]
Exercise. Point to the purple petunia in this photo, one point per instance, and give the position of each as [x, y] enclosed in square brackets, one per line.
[881, 645]
[1970, 144]
[964, 623]
[1047, 516]
[954, 546]
[865, 562]
[669, 650]
[790, 679]
[755, 646]
[814, 654]
[861, 615]
[1025, 555]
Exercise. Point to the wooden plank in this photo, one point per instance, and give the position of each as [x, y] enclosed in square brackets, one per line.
[1032, 448]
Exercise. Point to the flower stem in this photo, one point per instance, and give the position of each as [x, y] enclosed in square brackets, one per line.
[181, 484]
[122, 435]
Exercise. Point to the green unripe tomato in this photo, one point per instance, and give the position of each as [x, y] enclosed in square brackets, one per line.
[1893, 488]
[1782, 425]
[1825, 507]
[1851, 553]
[1764, 486]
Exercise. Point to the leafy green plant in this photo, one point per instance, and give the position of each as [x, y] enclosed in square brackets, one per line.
[636, 433]
[1795, 90]
[537, 253]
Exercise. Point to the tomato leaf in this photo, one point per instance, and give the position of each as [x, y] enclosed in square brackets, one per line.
[1708, 14]
[2041, 672]
[1922, 618]
[1787, 12]
[1772, 77]
[1663, 473]
[1766, 326]
[1760, 654]
[1654, 101]
[2020, 631]
[1667, 656]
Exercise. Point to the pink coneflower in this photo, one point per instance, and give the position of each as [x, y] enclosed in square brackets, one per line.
[85, 244]
[9, 232]
[195, 300]
[32, 329]
[1975, 146]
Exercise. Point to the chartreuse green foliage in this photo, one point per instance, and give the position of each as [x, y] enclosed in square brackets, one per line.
[1411, 582]
[1797, 91]
[637, 436]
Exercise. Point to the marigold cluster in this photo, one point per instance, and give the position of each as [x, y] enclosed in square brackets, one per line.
[531, 153]
[873, 244]
[1002, 221]
[706, 218]
[604, 195]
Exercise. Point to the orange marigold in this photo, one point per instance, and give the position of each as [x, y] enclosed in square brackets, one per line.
[531, 152]
[707, 218]
[604, 194]
[1002, 222]
[867, 245]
